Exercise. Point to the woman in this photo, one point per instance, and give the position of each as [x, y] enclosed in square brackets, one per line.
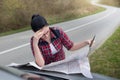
[47, 42]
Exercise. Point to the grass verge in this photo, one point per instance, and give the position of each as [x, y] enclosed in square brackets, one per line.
[106, 59]
[14, 31]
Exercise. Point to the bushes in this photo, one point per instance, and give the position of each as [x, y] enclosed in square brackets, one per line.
[10, 18]
[17, 14]
[111, 2]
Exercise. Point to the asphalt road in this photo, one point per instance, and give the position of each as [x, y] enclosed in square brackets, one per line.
[16, 48]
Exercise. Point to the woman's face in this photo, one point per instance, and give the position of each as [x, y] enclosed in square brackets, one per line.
[46, 32]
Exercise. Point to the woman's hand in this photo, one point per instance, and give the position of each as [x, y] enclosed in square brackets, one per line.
[91, 41]
[37, 36]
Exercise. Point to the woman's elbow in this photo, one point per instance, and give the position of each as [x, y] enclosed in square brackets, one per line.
[72, 48]
[40, 63]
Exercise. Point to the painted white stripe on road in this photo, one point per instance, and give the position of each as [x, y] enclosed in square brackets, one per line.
[14, 48]
[9, 50]
[91, 21]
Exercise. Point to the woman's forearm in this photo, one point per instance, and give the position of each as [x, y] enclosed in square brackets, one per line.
[38, 56]
[79, 45]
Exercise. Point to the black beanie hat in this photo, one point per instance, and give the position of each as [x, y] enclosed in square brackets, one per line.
[38, 22]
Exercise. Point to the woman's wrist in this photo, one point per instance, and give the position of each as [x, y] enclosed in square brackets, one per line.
[35, 41]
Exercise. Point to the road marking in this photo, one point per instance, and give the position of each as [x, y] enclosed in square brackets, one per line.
[14, 48]
[91, 21]
[24, 45]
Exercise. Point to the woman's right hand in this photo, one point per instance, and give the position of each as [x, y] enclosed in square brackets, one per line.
[38, 35]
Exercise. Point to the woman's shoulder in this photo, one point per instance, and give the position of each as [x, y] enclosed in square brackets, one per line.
[58, 29]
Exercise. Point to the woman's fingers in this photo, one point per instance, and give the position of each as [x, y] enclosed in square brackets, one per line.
[92, 41]
[38, 34]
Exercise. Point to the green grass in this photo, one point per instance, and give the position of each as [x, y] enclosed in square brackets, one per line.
[14, 31]
[106, 59]
[57, 19]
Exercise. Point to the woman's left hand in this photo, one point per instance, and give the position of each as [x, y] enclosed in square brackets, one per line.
[90, 42]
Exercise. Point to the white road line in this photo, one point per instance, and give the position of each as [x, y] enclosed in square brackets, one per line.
[14, 48]
[9, 50]
[91, 21]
